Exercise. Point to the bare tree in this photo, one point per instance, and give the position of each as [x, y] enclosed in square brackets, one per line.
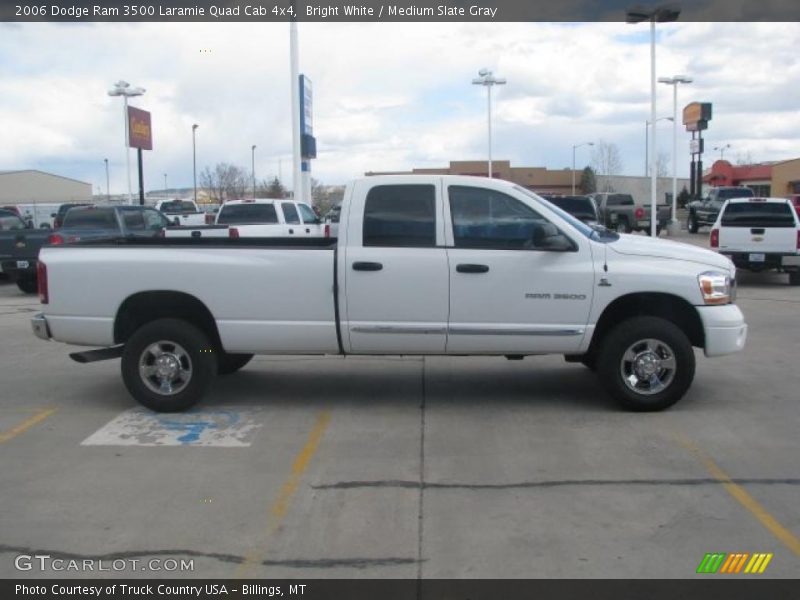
[325, 197]
[662, 164]
[607, 163]
[272, 188]
[225, 182]
[744, 158]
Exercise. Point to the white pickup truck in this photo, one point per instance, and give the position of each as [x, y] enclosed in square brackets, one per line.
[423, 265]
[181, 212]
[758, 234]
[260, 217]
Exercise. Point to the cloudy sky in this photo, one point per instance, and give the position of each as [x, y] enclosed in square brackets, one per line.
[386, 96]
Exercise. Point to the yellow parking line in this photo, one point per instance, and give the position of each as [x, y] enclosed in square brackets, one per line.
[280, 506]
[745, 499]
[40, 416]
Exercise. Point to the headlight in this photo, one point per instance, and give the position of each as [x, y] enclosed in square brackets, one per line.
[715, 287]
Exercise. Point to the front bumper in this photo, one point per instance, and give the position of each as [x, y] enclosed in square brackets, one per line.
[40, 327]
[724, 327]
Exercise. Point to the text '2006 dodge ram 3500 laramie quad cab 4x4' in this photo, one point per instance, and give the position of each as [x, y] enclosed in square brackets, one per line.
[425, 265]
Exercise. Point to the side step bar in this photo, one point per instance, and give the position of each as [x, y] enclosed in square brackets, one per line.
[96, 355]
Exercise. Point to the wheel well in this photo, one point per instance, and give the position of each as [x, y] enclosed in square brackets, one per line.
[666, 306]
[141, 308]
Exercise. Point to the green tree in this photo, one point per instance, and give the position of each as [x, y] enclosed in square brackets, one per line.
[588, 183]
[272, 189]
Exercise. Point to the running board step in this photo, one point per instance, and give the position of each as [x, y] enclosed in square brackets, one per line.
[96, 355]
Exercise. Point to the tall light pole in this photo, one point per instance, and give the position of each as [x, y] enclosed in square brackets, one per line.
[722, 150]
[165, 185]
[108, 187]
[294, 70]
[124, 89]
[194, 160]
[253, 151]
[487, 79]
[573, 162]
[646, 146]
[674, 82]
[658, 14]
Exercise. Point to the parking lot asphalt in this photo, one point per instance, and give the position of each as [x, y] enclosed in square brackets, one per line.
[394, 467]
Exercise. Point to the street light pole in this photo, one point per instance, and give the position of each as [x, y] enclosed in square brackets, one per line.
[108, 187]
[722, 150]
[165, 185]
[253, 151]
[488, 80]
[124, 89]
[674, 82]
[658, 14]
[194, 160]
[573, 162]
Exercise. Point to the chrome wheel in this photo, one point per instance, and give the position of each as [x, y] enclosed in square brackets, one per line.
[165, 368]
[648, 366]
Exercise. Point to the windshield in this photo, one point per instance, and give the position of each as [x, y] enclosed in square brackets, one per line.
[734, 193]
[180, 207]
[577, 224]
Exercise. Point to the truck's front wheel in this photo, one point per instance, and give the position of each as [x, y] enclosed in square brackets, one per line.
[230, 363]
[646, 363]
[168, 364]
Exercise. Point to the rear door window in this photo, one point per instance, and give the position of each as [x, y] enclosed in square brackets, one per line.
[758, 214]
[309, 216]
[400, 216]
[290, 213]
[133, 219]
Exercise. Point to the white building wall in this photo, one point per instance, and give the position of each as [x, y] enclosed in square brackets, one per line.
[26, 187]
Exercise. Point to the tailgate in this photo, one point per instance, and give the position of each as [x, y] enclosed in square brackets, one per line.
[758, 226]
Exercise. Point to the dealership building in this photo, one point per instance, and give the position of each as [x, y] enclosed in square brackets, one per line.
[29, 186]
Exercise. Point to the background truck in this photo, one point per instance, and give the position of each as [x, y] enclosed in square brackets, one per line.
[423, 265]
[759, 234]
[258, 218]
[80, 223]
[701, 213]
[181, 212]
[620, 213]
[19, 241]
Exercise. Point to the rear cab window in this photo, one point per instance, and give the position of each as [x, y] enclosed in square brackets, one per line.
[243, 214]
[91, 218]
[620, 200]
[179, 207]
[758, 214]
[10, 221]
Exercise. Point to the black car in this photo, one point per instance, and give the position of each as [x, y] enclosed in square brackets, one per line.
[18, 241]
[58, 219]
[580, 207]
[705, 211]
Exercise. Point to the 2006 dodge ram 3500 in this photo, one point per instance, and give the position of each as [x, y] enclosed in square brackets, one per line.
[426, 265]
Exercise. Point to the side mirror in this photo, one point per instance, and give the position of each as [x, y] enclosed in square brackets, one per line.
[546, 236]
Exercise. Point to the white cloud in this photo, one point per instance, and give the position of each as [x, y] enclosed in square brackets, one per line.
[386, 96]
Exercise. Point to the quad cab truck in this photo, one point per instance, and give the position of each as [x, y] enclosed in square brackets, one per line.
[620, 213]
[701, 213]
[423, 265]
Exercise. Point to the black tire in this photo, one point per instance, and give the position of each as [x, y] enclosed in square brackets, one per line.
[230, 363]
[589, 361]
[621, 226]
[646, 338]
[794, 277]
[691, 224]
[184, 347]
[28, 285]
[650, 231]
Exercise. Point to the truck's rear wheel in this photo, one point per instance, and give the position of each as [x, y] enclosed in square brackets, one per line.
[168, 364]
[230, 363]
[794, 277]
[646, 363]
[621, 226]
[27, 285]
